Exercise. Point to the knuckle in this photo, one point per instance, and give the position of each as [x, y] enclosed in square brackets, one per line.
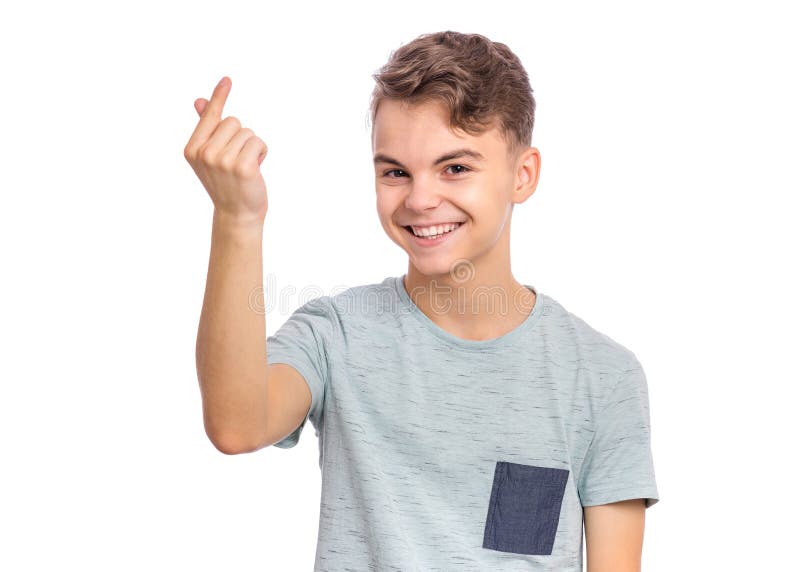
[207, 154]
[228, 163]
[231, 120]
[258, 144]
[242, 170]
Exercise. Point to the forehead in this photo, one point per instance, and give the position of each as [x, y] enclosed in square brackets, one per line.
[424, 129]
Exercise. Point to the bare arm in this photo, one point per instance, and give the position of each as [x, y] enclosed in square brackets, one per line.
[614, 536]
[240, 392]
[231, 340]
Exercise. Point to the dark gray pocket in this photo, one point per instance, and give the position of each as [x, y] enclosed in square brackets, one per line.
[524, 508]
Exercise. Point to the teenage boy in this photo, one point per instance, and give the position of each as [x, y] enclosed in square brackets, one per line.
[466, 421]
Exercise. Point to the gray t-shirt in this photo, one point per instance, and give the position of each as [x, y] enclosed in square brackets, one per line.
[442, 453]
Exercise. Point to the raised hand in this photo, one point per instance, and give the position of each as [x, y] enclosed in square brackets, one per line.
[227, 159]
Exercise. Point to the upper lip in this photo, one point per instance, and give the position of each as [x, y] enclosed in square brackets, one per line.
[433, 223]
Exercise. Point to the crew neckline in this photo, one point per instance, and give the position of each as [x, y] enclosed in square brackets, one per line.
[456, 341]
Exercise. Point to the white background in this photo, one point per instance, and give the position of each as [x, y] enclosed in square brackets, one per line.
[666, 217]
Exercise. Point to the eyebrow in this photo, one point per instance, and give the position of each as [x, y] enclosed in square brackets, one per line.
[465, 152]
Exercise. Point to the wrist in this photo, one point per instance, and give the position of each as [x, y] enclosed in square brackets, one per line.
[238, 223]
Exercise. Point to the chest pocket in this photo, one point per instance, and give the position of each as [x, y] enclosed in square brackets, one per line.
[524, 508]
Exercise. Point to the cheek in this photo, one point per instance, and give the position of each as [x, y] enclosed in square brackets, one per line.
[478, 200]
[385, 211]
[382, 209]
[488, 204]
[388, 200]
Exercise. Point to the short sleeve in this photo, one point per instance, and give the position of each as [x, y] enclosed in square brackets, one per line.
[619, 462]
[304, 342]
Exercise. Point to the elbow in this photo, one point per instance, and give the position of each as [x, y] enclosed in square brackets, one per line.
[227, 448]
[233, 436]
[231, 444]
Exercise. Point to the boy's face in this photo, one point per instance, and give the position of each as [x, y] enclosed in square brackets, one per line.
[475, 191]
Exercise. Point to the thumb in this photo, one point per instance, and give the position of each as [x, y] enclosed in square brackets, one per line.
[200, 105]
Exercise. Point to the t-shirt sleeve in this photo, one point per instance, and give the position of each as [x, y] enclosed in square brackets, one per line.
[304, 342]
[619, 462]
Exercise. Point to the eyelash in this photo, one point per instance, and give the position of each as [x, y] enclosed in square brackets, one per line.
[464, 170]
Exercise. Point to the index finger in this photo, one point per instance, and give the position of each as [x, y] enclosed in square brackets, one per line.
[213, 111]
[218, 98]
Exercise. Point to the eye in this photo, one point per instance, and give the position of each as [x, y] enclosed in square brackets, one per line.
[462, 167]
[387, 173]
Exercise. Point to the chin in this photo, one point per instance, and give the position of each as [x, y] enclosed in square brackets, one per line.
[432, 271]
[434, 267]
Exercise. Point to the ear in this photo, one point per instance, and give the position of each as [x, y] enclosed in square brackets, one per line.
[529, 164]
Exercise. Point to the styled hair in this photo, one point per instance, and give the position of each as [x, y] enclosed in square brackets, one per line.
[482, 83]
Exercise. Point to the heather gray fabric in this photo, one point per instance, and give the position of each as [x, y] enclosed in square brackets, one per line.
[440, 453]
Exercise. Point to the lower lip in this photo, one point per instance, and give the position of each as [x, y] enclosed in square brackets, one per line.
[429, 242]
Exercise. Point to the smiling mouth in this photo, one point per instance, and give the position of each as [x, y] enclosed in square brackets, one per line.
[432, 237]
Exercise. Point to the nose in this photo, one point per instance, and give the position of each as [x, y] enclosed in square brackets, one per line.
[422, 195]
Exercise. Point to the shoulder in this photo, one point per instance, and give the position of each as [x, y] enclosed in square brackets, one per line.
[576, 332]
[364, 300]
[349, 309]
[575, 343]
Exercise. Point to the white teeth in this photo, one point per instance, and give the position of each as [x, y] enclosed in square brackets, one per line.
[435, 230]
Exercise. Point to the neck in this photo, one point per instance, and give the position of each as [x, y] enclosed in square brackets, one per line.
[470, 302]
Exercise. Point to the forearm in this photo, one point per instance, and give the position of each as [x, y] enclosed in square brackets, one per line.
[231, 337]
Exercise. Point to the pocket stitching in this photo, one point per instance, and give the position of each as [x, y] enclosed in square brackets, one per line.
[552, 481]
[493, 504]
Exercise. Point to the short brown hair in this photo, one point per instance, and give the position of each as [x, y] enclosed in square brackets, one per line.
[482, 83]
